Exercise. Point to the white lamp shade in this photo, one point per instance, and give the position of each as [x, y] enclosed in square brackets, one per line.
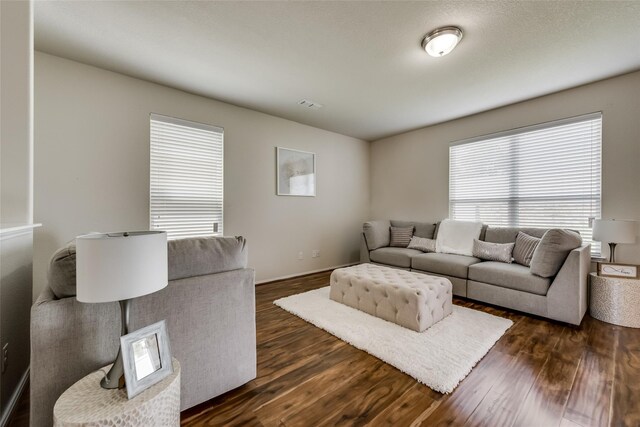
[120, 266]
[614, 231]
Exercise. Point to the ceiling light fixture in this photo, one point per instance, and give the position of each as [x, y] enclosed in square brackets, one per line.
[442, 41]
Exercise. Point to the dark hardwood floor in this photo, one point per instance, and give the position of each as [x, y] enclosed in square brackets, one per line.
[540, 373]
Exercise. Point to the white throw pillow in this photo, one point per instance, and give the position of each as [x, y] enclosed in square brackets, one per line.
[456, 237]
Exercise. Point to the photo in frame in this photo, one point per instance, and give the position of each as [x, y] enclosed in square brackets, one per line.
[146, 355]
[296, 172]
[612, 269]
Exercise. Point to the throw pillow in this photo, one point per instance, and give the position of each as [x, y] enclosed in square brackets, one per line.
[524, 247]
[553, 249]
[500, 252]
[401, 236]
[62, 271]
[456, 237]
[422, 244]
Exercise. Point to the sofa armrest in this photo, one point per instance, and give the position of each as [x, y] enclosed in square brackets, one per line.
[376, 234]
[567, 296]
[364, 250]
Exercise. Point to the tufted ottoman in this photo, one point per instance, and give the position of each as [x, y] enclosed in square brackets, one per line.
[413, 300]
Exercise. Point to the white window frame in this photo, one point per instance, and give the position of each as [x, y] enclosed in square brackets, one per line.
[158, 183]
[511, 199]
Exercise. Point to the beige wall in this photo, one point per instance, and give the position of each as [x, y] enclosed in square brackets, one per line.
[409, 172]
[16, 195]
[92, 169]
[16, 113]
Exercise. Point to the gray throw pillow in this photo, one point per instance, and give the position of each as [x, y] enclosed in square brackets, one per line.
[422, 244]
[501, 252]
[62, 271]
[400, 236]
[553, 250]
[524, 248]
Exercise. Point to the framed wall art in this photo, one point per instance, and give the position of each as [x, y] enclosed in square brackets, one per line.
[296, 172]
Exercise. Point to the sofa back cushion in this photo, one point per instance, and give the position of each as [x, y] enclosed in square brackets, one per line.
[376, 234]
[206, 255]
[61, 275]
[553, 250]
[186, 258]
[420, 229]
[509, 234]
[456, 237]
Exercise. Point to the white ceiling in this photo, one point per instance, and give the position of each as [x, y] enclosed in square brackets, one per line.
[362, 60]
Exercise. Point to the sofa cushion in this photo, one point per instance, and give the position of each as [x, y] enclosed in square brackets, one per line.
[501, 252]
[199, 256]
[400, 236]
[376, 234]
[422, 244]
[524, 247]
[398, 257]
[511, 276]
[61, 275]
[421, 229]
[456, 237]
[186, 258]
[553, 249]
[447, 264]
[509, 234]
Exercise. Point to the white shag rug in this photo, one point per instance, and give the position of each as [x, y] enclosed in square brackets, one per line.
[439, 357]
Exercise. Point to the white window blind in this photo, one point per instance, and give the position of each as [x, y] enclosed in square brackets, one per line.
[540, 176]
[186, 182]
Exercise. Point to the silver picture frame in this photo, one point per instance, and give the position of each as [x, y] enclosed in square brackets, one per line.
[146, 355]
[295, 172]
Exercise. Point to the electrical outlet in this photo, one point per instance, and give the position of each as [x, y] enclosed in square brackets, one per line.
[315, 253]
[300, 255]
[5, 357]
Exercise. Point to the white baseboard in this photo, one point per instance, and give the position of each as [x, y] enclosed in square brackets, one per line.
[304, 273]
[13, 401]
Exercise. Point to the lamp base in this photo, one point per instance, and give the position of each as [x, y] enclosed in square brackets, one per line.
[115, 377]
[612, 252]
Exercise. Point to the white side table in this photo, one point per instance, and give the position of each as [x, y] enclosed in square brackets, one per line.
[615, 300]
[87, 404]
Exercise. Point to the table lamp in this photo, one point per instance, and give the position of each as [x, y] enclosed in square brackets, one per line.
[613, 231]
[118, 267]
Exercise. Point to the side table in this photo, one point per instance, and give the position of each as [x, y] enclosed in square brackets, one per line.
[87, 404]
[615, 300]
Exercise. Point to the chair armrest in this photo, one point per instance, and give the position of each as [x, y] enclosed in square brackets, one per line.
[567, 296]
[376, 234]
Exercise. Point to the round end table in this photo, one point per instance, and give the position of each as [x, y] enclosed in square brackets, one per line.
[615, 300]
[87, 404]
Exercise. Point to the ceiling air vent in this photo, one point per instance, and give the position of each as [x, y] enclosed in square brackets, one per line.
[306, 103]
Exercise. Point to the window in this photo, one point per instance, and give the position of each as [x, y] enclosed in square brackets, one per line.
[186, 178]
[545, 176]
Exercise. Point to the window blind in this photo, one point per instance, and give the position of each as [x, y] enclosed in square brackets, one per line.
[186, 177]
[544, 176]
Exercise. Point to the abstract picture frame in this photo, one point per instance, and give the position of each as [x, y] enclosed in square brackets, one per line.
[146, 355]
[295, 172]
[614, 269]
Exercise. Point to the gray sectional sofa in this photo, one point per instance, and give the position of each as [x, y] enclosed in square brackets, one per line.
[562, 298]
[209, 306]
